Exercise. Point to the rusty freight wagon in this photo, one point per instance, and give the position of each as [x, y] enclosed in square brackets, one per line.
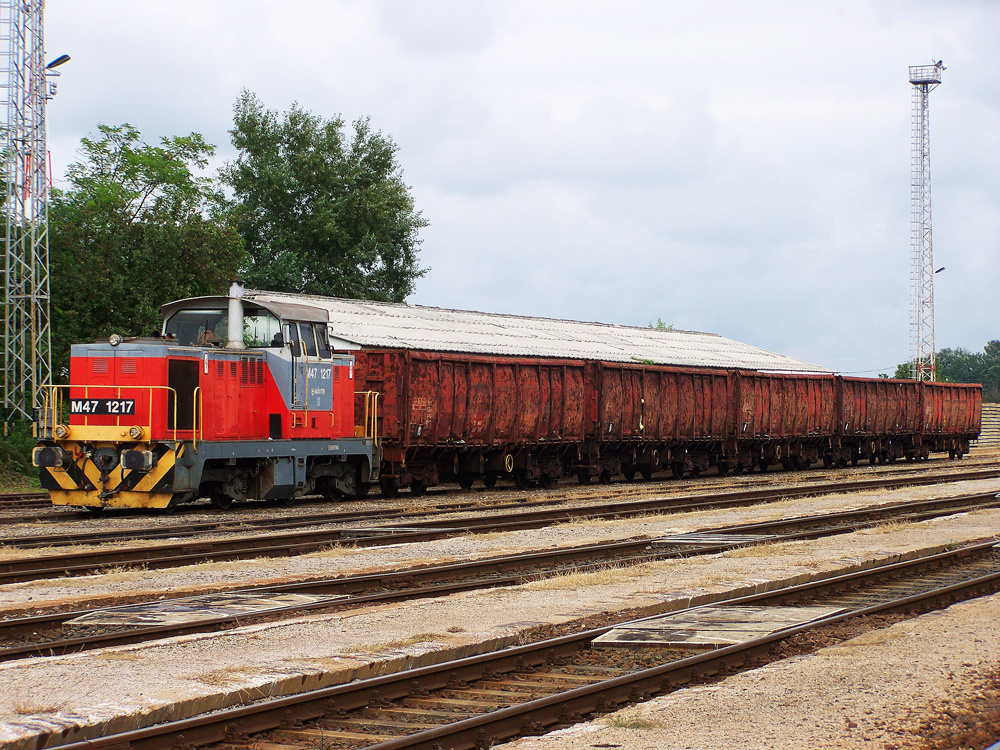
[467, 395]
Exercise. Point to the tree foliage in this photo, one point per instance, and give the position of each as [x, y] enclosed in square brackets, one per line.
[321, 209]
[137, 228]
[962, 366]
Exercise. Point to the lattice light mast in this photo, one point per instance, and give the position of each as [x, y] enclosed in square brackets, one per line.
[924, 78]
[27, 86]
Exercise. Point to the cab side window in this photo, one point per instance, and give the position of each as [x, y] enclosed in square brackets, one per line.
[308, 339]
[322, 341]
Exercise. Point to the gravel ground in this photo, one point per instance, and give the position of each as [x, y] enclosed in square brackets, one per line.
[930, 682]
[118, 688]
[129, 584]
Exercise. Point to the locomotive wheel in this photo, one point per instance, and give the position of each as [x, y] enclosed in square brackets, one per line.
[465, 481]
[417, 488]
[490, 481]
[171, 506]
[221, 501]
[330, 492]
[95, 510]
[363, 488]
[521, 480]
[389, 486]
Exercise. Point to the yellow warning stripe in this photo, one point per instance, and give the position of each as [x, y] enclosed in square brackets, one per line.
[164, 464]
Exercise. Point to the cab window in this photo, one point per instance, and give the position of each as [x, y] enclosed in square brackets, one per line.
[199, 327]
[308, 339]
[322, 341]
[261, 329]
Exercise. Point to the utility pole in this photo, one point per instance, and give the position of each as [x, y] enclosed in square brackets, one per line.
[27, 86]
[924, 79]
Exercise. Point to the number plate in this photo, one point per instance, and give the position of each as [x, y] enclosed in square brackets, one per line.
[103, 406]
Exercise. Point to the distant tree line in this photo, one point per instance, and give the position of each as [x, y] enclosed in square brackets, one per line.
[308, 205]
[962, 366]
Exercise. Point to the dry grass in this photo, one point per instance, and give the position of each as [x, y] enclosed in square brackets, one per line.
[609, 575]
[401, 643]
[760, 549]
[120, 656]
[889, 527]
[630, 722]
[27, 706]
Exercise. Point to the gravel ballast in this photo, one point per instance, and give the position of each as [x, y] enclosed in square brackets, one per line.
[126, 687]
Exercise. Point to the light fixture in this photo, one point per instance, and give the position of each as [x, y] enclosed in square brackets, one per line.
[61, 60]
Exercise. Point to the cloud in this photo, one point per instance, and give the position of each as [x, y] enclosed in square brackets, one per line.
[726, 166]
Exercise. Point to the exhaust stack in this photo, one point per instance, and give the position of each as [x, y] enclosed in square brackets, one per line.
[235, 316]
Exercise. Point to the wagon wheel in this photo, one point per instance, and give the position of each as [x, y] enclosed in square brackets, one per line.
[723, 467]
[695, 473]
[221, 501]
[629, 473]
[855, 457]
[828, 461]
[805, 463]
[490, 481]
[417, 488]
[465, 480]
[389, 486]
[605, 477]
[548, 481]
[647, 472]
[677, 470]
[583, 476]
[521, 480]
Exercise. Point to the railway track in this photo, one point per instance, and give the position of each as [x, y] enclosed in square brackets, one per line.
[381, 514]
[67, 514]
[479, 701]
[291, 543]
[66, 632]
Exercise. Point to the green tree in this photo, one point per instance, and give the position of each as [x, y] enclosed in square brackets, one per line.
[321, 210]
[962, 366]
[136, 228]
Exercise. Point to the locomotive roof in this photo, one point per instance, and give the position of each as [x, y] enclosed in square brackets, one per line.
[402, 326]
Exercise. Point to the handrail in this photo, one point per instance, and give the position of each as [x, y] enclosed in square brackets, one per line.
[195, 411]
[54, 403]
[371, 414]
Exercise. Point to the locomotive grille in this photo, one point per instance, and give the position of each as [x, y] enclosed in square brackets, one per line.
[100, 366]
[251, 372]
[220, 368]
[128, 367]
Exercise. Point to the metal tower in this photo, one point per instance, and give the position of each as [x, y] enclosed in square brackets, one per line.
[26, 334]
[924, 79]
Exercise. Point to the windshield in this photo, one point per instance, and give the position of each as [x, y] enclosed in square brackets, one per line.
[199, 327]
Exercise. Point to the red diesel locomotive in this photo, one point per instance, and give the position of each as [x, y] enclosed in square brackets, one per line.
[235, 400]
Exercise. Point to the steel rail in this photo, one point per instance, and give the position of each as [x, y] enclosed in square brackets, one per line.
[236, 724]
[302, 542]
[949, 471]
[492, 572]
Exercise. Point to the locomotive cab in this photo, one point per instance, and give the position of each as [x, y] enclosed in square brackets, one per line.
[235, 400]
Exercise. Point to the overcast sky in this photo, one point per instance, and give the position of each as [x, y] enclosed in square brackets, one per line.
[735, 167]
